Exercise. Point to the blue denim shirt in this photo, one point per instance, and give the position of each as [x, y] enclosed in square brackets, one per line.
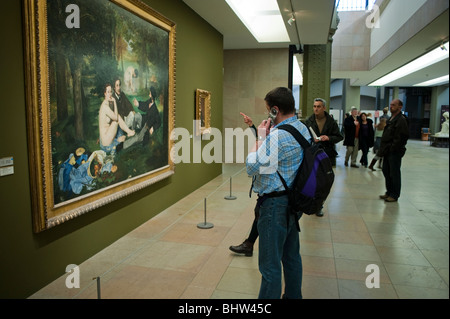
[279, 151]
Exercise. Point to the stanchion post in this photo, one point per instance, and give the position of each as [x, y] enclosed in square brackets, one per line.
[205, 225]
[98, 287]
[230, 197]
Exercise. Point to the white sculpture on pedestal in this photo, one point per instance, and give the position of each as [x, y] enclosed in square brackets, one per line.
[445, 127]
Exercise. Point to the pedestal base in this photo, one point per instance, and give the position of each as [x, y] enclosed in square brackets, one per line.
[205, 225]
[439, 141]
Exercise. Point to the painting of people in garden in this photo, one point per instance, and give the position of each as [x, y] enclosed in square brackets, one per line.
[108, 96]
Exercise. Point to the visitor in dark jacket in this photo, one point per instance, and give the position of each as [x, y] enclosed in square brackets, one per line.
[351, 141]
[327, 131]
[366, 137]
[392, 149]
[325, 128]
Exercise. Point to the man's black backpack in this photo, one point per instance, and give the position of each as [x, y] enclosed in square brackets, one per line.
[314, 178]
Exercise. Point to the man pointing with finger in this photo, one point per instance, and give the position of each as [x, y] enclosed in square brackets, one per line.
[279, 243]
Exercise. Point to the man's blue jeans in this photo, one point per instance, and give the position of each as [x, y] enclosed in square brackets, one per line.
[279, 243]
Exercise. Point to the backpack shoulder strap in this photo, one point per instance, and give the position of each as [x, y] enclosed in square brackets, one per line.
[299, 137]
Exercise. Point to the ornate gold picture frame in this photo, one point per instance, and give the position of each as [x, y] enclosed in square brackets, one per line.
[202, 111]
[100, 93]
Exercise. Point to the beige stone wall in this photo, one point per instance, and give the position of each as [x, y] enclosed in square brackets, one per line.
[248, 76]
[351, 43]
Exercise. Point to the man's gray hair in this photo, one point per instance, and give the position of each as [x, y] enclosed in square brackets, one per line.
[318, 99]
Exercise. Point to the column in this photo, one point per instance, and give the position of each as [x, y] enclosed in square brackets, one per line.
[351, 96]
[396, 93]
[316, 76]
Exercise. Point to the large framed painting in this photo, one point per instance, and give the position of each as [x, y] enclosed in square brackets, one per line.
[100, 90]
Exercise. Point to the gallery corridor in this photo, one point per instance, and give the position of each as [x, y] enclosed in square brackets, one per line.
[169, 257]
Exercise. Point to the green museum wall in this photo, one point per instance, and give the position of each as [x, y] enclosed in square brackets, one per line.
[30, 261]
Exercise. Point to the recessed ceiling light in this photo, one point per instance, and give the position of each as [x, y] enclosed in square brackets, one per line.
[262, 18]
[425, 60]
[433, 82]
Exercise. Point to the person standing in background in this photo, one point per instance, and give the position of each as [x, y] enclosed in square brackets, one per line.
[392, 149]
[351, 140]
[327, 131]
[246, 247]
[385, 114]
[325, 128]
[379, 128]
[366, 137]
